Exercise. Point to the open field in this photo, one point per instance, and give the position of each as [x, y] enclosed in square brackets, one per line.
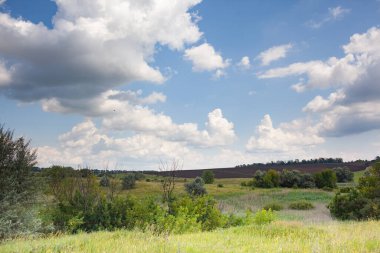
[277, 237]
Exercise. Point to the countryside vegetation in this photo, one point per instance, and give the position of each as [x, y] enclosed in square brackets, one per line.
[61, 209]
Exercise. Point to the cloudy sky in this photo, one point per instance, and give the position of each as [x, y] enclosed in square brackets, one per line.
[124, 84]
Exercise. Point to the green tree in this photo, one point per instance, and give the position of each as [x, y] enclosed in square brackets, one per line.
[17, 184]
[196, 187]
[129, 181]
[325, 178]
[208, 176]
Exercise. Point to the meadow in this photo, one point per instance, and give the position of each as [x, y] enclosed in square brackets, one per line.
[294, 230]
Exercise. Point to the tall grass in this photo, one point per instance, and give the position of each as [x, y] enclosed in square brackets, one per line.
[276, 237]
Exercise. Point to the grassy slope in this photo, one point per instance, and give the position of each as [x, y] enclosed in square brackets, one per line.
[277, 237]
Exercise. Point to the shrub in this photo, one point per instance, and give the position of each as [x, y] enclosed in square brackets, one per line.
[220, 185]
[260, 217]
[243, 184]
[147, 180]
[273, 207]
[104, 181]
[325, 178]
[208, 176]
[343, 174]
[362, 202]
[17, 185]
[301, 205]
[196, 187]
[267, 179]
[306, 180]
[129, 181]
[290, 178]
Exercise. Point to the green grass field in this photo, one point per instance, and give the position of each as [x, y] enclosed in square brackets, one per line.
[277, 237]
[294, 231]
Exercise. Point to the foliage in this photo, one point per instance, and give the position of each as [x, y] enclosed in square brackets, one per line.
[196, 187]
[268, 179]
[301, 205]
[129, 181]
[208, 176]
[104, 181]
[273, 207]
[306, 180]
[220, 185]
[168, 182]
[343, 174]
[325, 178]
[361, 202]
[260, 217]
[290, 178]
[17, 185]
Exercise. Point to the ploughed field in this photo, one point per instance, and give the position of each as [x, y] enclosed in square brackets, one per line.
[248, 170]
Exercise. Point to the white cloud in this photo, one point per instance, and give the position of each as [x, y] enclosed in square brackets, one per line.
[338, 12]
[119, 112]
[2, 2]
[94, 46]
[355, 105]
[292, 136]
[273, 54]
[334, 13]
[205, 58]
[244, 63]
[5, 76]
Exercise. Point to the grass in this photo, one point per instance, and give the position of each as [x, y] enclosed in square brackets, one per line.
[277, 237]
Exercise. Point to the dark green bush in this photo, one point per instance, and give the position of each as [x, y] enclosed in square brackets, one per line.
[343, 174]
[325, 178]
[268, 179]
[104, 181]
[129, 181]
[196, 187]
[301, 205]
[290, 178]
[220, 185]
[306, 180]
[208, 176]
[361, 202]
[273, 207]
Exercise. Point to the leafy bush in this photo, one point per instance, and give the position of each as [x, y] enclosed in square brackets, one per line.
[306, 180]
[343, 174]
[362, 202]
[260, 217]
[220, 185]
[325, 178]
[268, 179]
[243, 184]
[273, 207]
[104, 181]
[129, 181]
[208, 176]
[301, 205]
[290, 178]
[17, 185]
[196, 187]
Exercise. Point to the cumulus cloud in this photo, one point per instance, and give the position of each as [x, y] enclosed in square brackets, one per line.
[354, 106]
[205, 58]
[244, 63]
[334, 13]
[273, 54]
[287, 137]
[93, 46]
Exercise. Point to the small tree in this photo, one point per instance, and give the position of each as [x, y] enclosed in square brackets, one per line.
[17, 185]
[208, 176]
[129, 181]
[343, 174]
[325, 178]
[104, 181]
[196, 187]
[168, 183]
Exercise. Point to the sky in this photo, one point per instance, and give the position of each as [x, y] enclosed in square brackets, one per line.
[123, 84]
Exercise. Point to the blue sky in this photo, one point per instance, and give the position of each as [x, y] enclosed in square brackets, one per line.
[125, 84]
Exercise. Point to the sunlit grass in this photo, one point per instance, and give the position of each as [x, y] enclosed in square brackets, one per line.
[277, 237]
